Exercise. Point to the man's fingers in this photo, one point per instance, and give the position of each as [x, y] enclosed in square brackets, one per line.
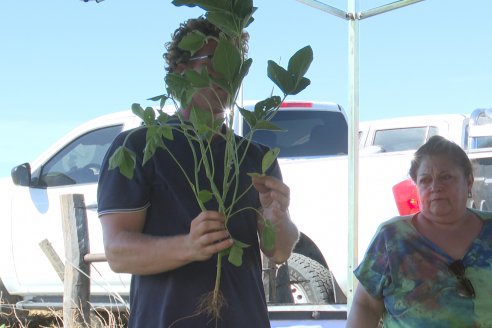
[208, 221]
[211, 226]
[214, 237]
[219, 246]
[266, 183]
[259, 184]
[280, 201]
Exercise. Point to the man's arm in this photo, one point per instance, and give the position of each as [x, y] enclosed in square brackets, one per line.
[129, 250]
[366, 310]
[275, 199]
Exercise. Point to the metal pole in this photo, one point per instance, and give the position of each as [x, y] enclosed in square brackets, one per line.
[386, 8]
[353, 151]
[353, 15]
[326, 8]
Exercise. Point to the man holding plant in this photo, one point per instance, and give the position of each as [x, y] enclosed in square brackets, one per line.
[161, 224]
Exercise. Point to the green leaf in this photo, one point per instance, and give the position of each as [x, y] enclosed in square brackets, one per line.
[188, 3]
[162, 98]
[138, 110]
[248, 20]
[301, 85]
[193, 41]
[204, 196]
[280, 77]
[241, 244]
[267, 125]
[167, 132]
[162, 103]
[208, 5]
[217, 125]
[153, 142]
[267, 105]
[125, 160]
[268, 235]
[248, 116]
[299, 63]
[225, 252]
[222, 83]
[226, 22]
[198, 79]
[241, 75]
[227, 60]
[230, 16]
[255, 175]
[149, 116]
[163, 117]
[236, 253]
[176, 81]
[179, 87]
[244, 9]
[202, 121]
[292, 80]
[269, 159]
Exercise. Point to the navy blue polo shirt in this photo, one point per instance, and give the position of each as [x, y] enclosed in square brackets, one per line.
[159, 300]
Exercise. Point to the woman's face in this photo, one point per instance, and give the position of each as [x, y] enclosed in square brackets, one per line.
[443, 188]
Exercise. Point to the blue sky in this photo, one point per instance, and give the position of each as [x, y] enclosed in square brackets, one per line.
[63, 62]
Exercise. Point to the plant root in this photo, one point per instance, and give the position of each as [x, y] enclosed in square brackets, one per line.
[210, 304]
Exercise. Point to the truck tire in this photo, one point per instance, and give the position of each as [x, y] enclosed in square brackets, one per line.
[309, 282]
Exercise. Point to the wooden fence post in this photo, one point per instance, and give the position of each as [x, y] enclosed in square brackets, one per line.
[76, 309]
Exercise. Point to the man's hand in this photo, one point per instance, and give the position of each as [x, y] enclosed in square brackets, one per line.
[275, 199]
[207, 236]
[124, 243]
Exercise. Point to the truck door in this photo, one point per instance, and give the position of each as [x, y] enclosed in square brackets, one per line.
[72, 169]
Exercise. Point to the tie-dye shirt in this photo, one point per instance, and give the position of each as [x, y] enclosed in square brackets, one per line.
[411, 274]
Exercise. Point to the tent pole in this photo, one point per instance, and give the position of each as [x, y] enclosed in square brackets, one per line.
[353, 144]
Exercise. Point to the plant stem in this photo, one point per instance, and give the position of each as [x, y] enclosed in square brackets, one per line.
[217, 277]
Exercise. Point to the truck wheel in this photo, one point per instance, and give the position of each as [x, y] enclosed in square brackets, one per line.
[309, 281]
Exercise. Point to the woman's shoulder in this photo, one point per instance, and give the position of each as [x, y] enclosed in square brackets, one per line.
[398, 221]
[396, 226]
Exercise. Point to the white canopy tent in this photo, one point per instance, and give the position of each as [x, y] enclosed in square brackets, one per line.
[353, 16]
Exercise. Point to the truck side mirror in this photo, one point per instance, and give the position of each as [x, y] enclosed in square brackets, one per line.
[21, 175]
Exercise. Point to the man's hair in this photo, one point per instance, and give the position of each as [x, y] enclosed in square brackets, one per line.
[441, 147]
[176, 55]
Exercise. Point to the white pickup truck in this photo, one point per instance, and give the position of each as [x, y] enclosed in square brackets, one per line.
[313, 159]
[30, 203]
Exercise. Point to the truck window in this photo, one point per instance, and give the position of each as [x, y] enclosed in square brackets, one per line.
[482, 185]
[480, 129]
[404, 138]
[307, 133]
[80, 160]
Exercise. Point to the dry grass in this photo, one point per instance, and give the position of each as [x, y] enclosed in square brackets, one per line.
[10, 317]
[13, 318]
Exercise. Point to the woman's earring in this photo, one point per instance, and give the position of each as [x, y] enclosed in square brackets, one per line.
[470, 194]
